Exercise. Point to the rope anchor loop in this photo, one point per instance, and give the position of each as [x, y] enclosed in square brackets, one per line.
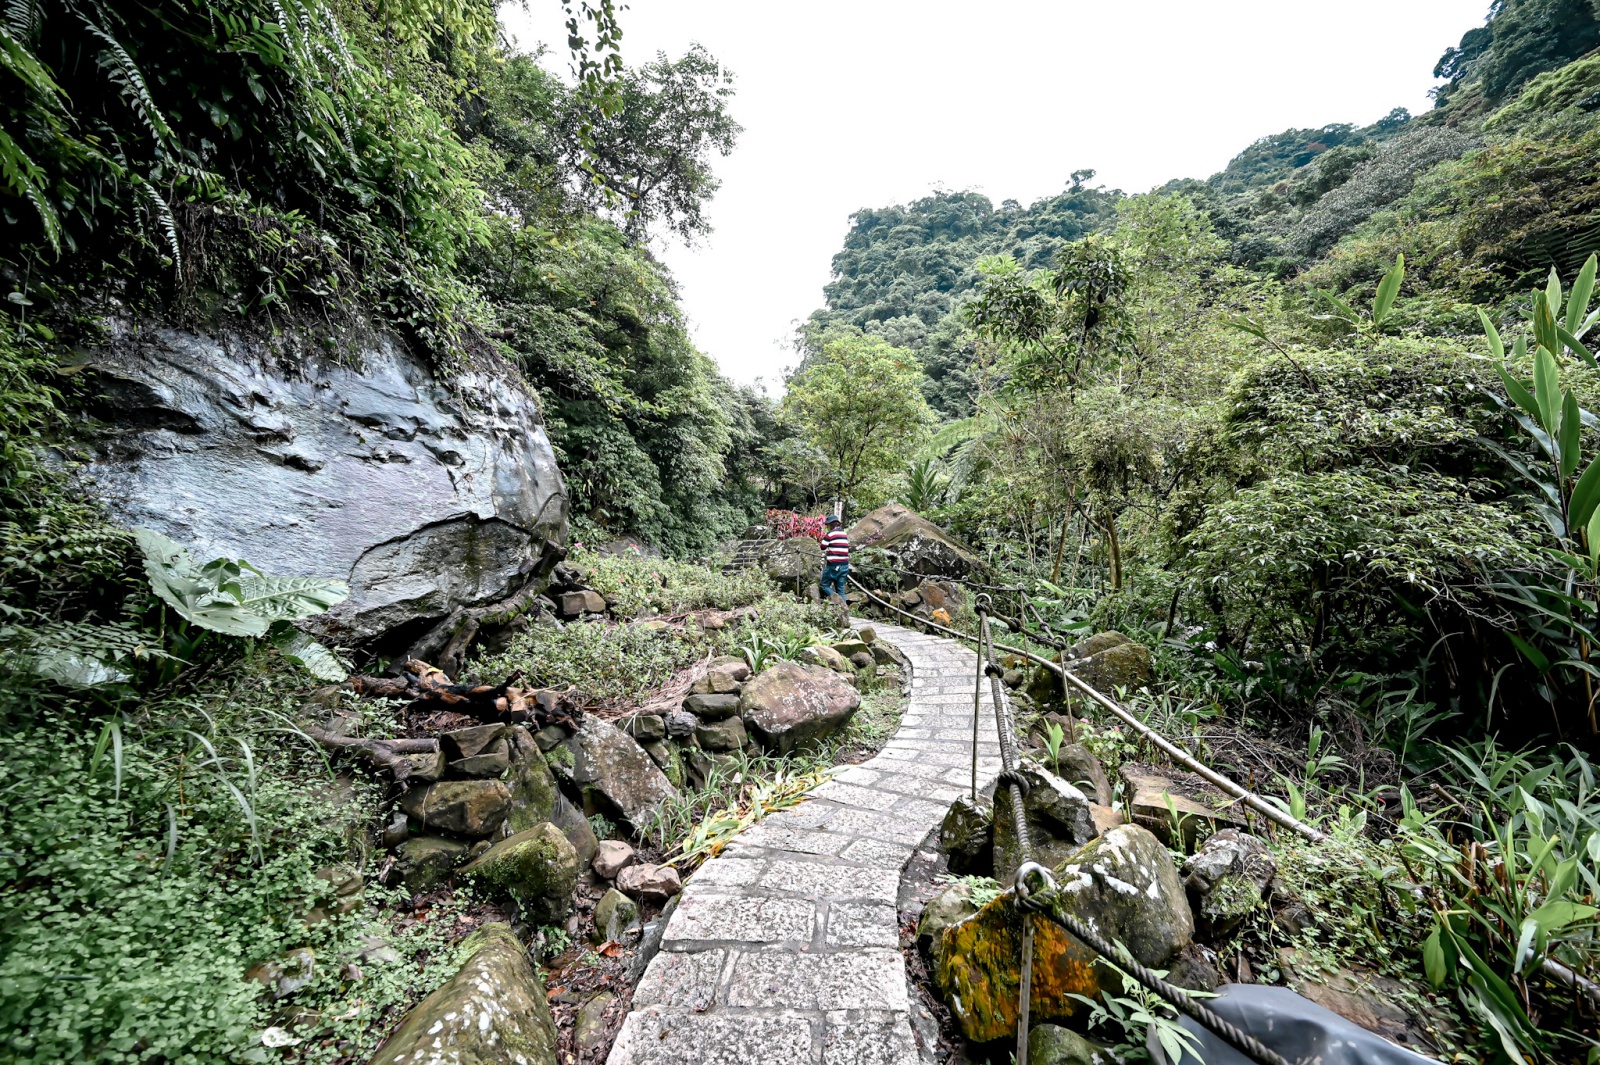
[982, 603]
[1033, 897]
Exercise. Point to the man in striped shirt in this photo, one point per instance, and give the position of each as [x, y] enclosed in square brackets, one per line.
[835, 558]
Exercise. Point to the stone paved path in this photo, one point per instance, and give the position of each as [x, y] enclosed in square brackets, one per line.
[786, 948]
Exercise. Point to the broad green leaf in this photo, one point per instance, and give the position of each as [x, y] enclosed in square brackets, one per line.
[1547, 390]
[1519, 393]
[1567, 437]
[233, 598]
[1388, 289]
[1497, 347]
[297, 647]
[1575, 346]
[1530, 652]
[1544, 323]
[1585, 494]
[1591, 532]
[290, 598]
[1552, 293]
[1433, 959]
[1582, 290]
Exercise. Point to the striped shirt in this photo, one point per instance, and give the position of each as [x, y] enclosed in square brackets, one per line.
[835, 547]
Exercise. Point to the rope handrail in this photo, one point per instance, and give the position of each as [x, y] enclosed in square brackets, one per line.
[1556, 970]
[1167, 747]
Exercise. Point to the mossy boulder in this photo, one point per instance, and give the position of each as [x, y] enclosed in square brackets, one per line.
[425, 862]
[538, 868]
[1051, 1044]
[950, 907]
[492, 1012]
[1122, 884]
[533, 786]
[614, 915]
[1107, 661]
[463, 807]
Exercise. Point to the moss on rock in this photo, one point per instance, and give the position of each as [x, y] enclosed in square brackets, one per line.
[538, 867]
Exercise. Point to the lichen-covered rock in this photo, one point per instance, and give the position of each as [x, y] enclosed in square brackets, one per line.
[300, 462]
[967, 836]
[538, 868]
[712, 707]
[1122, 884]
[1125, 884]
[425, 862]
[492, 1012]
[1226, 879]
[726, 735]
[533, 786]
[465, 807]
[950, 907]
[847, 648]
[791, 704]
[1107, 661]
[614, 915]
[1059, 822]
[613, 774]
[1051, 1044]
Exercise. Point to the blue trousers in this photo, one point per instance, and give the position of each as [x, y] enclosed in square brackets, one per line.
[833, 578]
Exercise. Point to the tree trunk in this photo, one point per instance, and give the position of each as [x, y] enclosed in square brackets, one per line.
[1061, 546]
[1114, 547]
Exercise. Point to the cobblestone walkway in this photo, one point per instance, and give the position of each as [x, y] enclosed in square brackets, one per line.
[786, 948]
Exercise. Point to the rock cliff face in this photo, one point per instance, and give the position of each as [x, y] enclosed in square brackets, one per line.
[425, 495]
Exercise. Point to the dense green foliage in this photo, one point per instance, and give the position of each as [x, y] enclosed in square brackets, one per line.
[318, 167]
[905, 270]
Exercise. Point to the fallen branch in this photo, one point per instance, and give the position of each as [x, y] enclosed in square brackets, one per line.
[380, 754]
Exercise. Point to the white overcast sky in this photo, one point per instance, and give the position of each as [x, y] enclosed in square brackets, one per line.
[873, 102]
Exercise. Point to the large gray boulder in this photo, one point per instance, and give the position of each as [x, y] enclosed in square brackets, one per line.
[914, 544]
[492, 1012]
[794, 564]
[791, 704]
[425, 494]
[613, 773]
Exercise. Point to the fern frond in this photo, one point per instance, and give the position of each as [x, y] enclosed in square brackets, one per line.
[124, 72]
